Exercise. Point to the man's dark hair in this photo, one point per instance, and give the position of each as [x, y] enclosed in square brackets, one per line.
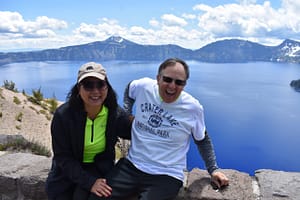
[172, 62]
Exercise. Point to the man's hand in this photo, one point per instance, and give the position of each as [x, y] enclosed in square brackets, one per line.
[219, 179]
[101, 189]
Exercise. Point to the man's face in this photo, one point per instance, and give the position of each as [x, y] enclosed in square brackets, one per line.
[171, 82]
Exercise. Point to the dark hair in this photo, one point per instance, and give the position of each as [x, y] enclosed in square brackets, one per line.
[75, 100]
[172, 62]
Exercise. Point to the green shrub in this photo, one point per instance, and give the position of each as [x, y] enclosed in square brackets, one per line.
[49, 117]
[10, 85]
[16, 100]
[19, 117]
[43, 112]
[37, 97]
[1, 95]
[21, 145]
[52, 104]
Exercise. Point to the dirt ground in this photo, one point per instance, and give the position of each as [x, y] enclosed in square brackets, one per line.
[20, 116]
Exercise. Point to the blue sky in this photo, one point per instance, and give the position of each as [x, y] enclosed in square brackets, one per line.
[41, 24]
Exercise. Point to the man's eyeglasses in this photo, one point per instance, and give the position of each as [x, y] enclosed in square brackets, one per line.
[91, 85]
[177, 81]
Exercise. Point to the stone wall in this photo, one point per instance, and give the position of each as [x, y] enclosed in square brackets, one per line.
[23, 175]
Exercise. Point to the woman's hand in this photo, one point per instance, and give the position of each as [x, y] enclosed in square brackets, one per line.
[101, 189]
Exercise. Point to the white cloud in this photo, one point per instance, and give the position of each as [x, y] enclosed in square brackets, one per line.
[99, 31]
[247, 2]
[245, 20]
[154, 23]
[9, 22]
[12, 24]
[138, 31]
[290, 11]
[15, 32]
[249, 20]
[189, 16]
[291, 6]
[49, 23]
[172, 20]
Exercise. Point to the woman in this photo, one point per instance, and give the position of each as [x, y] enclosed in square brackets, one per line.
[84, 132]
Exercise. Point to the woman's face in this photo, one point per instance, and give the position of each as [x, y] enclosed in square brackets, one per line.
[93, 92]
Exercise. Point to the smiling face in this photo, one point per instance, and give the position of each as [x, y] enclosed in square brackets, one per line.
[171, 82]
[93, 92]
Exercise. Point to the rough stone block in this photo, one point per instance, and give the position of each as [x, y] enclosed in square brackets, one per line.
[23, 175]
[278, 185]
[198, 187]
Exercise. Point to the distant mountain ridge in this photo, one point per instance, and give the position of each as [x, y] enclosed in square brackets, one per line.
[118, 48]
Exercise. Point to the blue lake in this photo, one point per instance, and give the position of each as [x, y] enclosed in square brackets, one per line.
[251, 112]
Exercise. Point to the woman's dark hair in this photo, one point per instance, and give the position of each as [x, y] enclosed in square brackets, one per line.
[75, 100]
[172, 62]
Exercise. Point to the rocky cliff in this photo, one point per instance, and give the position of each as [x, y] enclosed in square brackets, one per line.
[23, 175]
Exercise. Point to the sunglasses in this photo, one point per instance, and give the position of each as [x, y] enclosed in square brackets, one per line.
[91, 85]
[177, 81]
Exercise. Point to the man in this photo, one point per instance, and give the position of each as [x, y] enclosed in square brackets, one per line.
[166, 117]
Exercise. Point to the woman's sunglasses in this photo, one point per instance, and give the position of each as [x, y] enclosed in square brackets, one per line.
[91, 85]
[177, 81]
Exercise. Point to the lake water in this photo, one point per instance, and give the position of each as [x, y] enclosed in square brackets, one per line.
[251, 112]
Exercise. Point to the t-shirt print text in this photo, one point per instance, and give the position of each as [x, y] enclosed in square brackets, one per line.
[155, 117]
[157, 114]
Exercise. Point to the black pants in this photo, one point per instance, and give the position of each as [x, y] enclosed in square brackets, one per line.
[76, 192]
[127, 181]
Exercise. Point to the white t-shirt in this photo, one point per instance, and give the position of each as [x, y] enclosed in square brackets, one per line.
[161, 131]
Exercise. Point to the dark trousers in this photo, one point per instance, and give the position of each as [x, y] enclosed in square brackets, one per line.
[73, 194]
[128, 181]
[66, 195]
[76, 192]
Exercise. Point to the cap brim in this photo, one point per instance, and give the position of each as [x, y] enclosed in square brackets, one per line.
[92, 74]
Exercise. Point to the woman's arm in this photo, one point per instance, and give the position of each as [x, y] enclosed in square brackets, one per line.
[64, 153]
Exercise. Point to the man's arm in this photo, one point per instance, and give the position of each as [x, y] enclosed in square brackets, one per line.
[207, 152]
[127, 101]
